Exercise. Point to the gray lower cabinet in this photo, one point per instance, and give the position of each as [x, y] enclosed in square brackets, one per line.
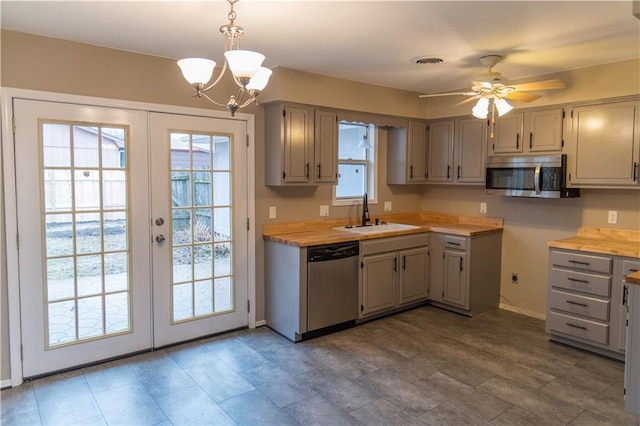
[586, 300]
[632, 364]
[393, 273]
[465, 272]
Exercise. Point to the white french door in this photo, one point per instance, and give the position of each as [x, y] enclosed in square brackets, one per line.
[199, 188]
[93, 187]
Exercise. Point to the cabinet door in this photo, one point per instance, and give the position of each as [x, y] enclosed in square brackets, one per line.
[440, 151]
[414, 274]
[507, 134]
[416, 152]
[326, 147]
[455, 283]
[545, 130]
[379, 274]
[605, 144]
[298, 139]
[470, 146]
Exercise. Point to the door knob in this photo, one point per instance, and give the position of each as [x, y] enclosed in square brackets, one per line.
[160, 238]
[159, 221]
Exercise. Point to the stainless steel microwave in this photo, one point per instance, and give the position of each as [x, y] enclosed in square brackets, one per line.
[529, 176]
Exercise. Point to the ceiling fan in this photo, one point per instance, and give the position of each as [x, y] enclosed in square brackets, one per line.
[492, 85]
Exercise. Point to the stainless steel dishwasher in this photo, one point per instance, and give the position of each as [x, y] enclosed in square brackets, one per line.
[332, 286]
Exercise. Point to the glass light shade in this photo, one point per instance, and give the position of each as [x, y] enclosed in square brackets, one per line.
[481, 110]
[502, 106]
[197, 70]
[244, 63]
[365, 143]
[260, 79]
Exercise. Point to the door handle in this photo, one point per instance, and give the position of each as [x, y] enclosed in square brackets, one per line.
[404, 263]
[160, 238]
[536, 178]
[159, 221]
[461, 261]
[410, 172]
[530, 140]
[318, 174]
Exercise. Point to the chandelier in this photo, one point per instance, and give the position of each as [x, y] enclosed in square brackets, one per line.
[245, 66]
[481, 110]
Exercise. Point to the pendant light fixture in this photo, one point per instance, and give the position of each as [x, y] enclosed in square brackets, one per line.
[245, 66]
[365, 143]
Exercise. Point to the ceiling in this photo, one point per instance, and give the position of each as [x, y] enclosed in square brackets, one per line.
[367, 41]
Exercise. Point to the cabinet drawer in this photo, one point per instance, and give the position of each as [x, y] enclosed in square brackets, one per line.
[581, 305]
[577, 281]
[630, 266]
[458, 243]
[582, 261]
[577, 327]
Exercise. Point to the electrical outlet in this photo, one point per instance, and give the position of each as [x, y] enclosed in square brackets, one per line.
[324, 210]
[514, 278]
[387, 206]
[483, 207]
[272, 212]
[613, 216]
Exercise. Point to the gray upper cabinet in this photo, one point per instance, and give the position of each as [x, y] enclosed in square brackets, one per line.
[326, 146]
[407, 154]
[543, 130]
[441, 137]
[301, 145]
[605, 145]
[507, 134]
[457, 151]
[471, 140]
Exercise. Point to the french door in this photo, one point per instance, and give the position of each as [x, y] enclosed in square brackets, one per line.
[197, 184]
[97, 190]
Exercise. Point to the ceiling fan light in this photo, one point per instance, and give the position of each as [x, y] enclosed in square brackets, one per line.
[196, 70]
[244, 63]
[502, 106]
[481, 110]
[260, 79]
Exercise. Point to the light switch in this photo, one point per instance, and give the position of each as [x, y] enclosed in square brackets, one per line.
[613, 216]
[387, 206]
[324, 210]
[272, 212]
[483, 207]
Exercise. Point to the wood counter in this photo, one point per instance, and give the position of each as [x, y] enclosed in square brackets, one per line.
[318, 232]
[618, 242]
[633, 278]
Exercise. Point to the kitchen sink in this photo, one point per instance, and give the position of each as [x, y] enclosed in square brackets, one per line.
[374, 229]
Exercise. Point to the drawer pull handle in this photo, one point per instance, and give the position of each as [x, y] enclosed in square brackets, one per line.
[577, 262]
[453, 244]
[576, 326]
[571, 302]
[575, 280]
[634, 270]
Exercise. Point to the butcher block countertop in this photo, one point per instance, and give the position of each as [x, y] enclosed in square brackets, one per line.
[618, 242]
[633, 278]
[317, 232]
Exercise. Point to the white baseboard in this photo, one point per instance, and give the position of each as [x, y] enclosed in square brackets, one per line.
[261, 323]
[6, 383]
[523, 311]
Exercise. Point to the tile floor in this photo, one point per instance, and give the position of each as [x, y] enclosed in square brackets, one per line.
[421, 367]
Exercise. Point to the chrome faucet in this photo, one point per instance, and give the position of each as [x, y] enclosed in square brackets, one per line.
[365, 210]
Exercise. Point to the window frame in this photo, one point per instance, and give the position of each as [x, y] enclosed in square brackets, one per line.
[371, 165]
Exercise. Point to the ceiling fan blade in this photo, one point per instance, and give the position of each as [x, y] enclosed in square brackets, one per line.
[466, 101]
[433, 95]
[524, 97]
[538, 85]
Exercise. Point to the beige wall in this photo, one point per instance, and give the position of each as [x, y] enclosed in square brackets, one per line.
[39, 63]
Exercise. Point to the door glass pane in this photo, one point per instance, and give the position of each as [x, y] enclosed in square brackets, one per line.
[201, 215]
[86, 247]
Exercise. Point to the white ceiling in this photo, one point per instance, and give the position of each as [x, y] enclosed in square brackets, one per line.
[368, 41]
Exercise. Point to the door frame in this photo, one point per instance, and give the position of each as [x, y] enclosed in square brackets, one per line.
[8, 185]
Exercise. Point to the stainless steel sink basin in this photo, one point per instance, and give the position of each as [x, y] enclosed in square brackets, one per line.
[374, 229]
